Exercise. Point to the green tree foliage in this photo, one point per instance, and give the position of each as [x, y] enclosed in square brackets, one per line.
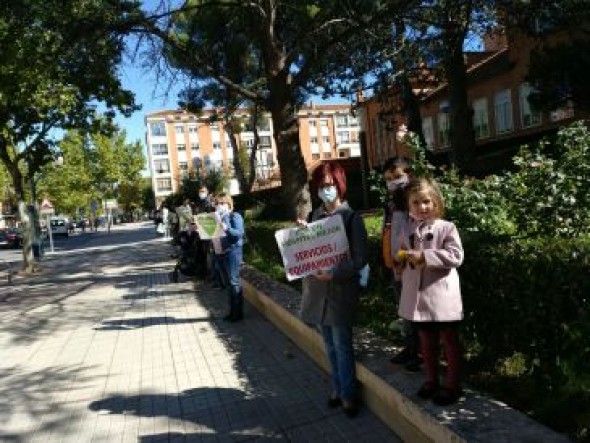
[92, 164]
[302, 47]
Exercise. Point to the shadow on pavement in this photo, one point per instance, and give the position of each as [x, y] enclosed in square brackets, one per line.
[143, 322]
[212, 412]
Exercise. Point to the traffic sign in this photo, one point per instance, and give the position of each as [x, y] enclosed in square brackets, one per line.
[46, 208]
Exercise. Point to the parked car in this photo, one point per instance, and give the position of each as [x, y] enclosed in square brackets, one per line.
[4, 243]
[59, 226]
[15, 237]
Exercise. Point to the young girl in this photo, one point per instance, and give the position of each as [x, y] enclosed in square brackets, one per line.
[431, 296]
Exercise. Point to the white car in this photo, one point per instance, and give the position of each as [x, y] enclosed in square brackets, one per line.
[59, 226]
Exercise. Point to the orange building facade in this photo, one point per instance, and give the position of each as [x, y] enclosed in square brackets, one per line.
[179, 142]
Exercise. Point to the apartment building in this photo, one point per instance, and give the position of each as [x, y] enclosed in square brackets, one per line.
[498, 93]
[179, 142]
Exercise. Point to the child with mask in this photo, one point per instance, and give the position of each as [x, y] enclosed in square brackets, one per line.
[396, 173]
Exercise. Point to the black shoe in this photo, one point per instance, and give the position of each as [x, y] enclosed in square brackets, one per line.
[414, 365]
[334, 402]
[446, 396]
[350, 408]
[236, 317]
[402, 357]
[427, 390]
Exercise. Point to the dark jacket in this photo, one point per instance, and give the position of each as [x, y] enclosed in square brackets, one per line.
[335, 302]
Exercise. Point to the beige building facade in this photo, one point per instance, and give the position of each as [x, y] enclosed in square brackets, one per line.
[179, 143]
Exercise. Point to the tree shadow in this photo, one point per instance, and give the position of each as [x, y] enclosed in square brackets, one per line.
[30, 390]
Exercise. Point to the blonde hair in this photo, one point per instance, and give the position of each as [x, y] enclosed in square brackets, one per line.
[430, 186]
[226, 199]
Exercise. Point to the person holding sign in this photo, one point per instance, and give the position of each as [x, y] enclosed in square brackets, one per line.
[330, 297]
[232, 243]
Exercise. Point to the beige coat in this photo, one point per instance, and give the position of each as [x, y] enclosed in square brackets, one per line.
[431, 292]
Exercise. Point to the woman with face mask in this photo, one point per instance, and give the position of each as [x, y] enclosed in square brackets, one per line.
[330, 298]
[232, 244]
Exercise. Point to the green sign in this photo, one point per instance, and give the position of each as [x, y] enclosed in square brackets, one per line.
[207, 226]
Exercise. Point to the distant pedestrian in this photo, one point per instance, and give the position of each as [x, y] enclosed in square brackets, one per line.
[431, 295]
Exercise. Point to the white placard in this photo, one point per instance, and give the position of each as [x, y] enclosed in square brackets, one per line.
[318, 246]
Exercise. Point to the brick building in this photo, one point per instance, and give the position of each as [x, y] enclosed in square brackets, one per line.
[498, 93]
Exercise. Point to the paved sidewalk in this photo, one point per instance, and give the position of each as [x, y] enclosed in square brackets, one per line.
[101, 347]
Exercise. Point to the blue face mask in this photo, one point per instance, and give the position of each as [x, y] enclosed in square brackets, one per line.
[328, 194]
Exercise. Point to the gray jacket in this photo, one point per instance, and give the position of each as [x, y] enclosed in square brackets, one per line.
[335, 302]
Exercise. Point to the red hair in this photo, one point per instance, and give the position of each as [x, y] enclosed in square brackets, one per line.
[334, 170]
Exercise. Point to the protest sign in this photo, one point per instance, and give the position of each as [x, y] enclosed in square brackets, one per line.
[185, 216]
[207, 226]
[318, 246]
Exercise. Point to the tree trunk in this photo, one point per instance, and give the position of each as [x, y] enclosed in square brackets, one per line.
[295, 199]
[462, 135]
[16, 175]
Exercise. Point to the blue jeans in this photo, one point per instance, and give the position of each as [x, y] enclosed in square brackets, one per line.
[338, 341]
[219, 273]
[233, 262]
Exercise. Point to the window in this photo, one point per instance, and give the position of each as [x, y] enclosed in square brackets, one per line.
[342, 137]
[480, 118]
[182, 166]
[179, 129]
[158, 128]
[313, 139]
[324, 122]
[503, 111]
[428, 130]
[327, 155]
[341, 121]
[164, 184]
[161, 166]
[444, 129]
[312, 124]
[326, 139]
[528, 116]
[194, 146]
[249, 142]
[265, 141]
[192, 129]
[214, 125]
[216, 145]
[160, 149]
[315, 156]
[181, 147]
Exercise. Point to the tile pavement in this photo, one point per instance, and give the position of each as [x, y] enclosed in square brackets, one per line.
[102, 347]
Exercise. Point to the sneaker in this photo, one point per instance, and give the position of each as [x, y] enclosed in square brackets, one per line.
[413, 365]
[402, 357]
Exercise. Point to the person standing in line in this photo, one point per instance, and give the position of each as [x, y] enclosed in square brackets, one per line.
[232, 243]
[431, 294]
[203, 251]
[330, 298]
[219, 274]
[396, 173]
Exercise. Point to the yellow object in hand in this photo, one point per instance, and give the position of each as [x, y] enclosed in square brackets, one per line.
[402, 254]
